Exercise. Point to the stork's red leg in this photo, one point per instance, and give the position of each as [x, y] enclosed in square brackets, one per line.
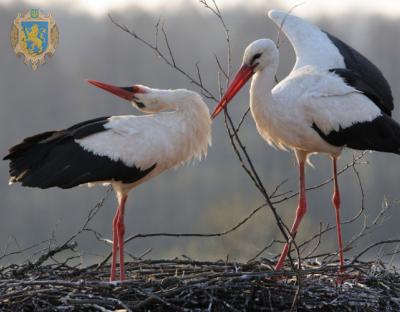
[336, 204]
[300, 212]
[114, 246]
[120, 234]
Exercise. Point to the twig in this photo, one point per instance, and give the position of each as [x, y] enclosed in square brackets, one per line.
[164, 234]
[171, 62]
[364, 251]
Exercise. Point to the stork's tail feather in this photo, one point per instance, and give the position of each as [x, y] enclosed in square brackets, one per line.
[27, 157]
[49, 159]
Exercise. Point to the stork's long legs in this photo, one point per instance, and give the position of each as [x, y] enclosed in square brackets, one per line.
[300, 212]
[114, 246]
[121, 233]
[336, 205]
[118, 229]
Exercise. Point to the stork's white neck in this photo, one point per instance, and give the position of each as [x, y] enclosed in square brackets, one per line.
[263, 107]
[189, 127]
[261, 86]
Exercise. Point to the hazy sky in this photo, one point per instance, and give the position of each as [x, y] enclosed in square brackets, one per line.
[310, 7]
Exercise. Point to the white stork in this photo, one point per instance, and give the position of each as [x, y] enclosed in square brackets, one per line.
[333, 98]
[123, 151]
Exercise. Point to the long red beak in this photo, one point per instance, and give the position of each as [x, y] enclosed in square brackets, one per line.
[243, 75]
[127, 93]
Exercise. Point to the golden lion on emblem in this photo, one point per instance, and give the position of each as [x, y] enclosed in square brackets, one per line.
[36, 37]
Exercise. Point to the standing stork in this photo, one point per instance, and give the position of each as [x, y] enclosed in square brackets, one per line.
[333, 98]
[123, 151]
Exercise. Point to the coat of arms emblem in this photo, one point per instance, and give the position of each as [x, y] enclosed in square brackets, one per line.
[34, 35]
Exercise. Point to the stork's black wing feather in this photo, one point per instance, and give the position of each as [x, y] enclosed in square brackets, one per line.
[365, 74]
[357, 81]
[381, 134]
[54, 158]
[78, 131]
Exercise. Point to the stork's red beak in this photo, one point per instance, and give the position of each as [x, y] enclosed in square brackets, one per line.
[127, 93]
[243, 75]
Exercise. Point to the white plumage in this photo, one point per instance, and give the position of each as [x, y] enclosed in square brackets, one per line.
[304, 97]
[168, 138]
[311, 45]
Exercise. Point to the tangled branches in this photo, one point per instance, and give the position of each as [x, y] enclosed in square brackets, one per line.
[187, 285]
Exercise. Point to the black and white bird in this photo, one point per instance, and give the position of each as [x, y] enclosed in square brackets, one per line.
[123, 151]
[333, 98]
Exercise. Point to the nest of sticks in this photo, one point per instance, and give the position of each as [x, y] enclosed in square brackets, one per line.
[189, 285]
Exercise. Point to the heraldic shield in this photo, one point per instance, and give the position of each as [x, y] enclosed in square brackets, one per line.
[34, 35]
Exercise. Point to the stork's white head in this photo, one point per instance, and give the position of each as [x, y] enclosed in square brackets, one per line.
[258, 55]
[143, 98]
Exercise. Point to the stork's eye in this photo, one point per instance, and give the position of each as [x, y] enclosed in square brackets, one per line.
[255, 56]
[140, 104]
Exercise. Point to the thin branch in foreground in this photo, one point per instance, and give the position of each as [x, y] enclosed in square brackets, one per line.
[364, 251]
[49, 252]
[170, 62]
[203, 235]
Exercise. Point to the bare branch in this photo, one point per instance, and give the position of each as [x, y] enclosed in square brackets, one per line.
[364, 251]
[356, 161]
[171, 55]
[165, 234]
[171, 62]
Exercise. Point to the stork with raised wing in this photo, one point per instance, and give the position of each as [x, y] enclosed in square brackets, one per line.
[333, 98]
[123, 151]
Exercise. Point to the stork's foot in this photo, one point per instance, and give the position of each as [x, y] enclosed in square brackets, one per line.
[343, 276]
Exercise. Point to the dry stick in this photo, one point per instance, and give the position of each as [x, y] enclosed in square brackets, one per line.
[389, 241]
[169, 62]
[277, 187]
[217, 13]
[262, 251]
[327, 181]
[222, 70]
[367, 229]
[242, 120]
[319, 236]
[278, 37]
[43, 258]
[164, 234]
[92, 213]
[278, 41]
[69, 244]
[22, 250]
